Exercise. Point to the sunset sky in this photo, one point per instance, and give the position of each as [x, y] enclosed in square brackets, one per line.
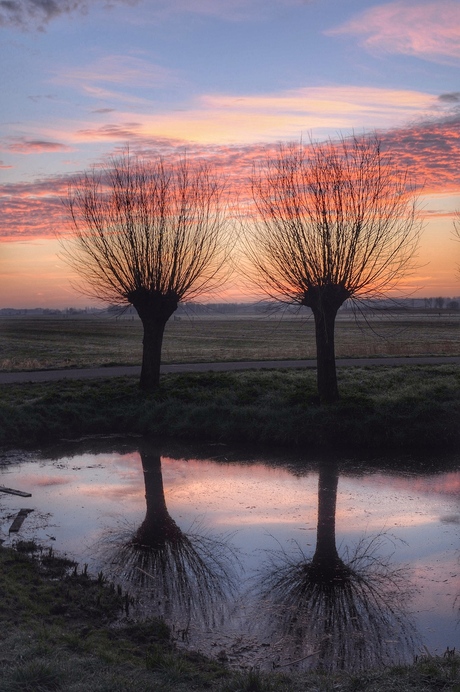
[83, 79]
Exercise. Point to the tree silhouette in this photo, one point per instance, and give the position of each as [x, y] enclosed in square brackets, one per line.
[186, 575]
[332, 612]
[150, 234]
[333, 221]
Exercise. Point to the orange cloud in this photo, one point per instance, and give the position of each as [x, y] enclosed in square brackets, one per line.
[428, 30]
[216, 119]
[246, 119]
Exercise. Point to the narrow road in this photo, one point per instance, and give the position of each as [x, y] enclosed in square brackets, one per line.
[134, 370]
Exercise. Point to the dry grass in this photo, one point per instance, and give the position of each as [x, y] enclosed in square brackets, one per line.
[28, 343]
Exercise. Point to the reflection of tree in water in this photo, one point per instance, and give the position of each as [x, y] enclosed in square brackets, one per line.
[335, 612]
[186, 575]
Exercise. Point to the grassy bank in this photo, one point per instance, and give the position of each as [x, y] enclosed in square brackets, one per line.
[61, 630]
[392, 408]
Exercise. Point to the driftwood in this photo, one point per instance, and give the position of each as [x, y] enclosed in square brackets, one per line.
[17, 523]
[11, 491]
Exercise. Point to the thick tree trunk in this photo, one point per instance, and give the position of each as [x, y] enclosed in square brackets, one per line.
[324, 301]
[154, 308]
[151, 353]
[326, 372]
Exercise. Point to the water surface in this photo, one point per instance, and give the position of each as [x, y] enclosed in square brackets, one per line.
[274, 562]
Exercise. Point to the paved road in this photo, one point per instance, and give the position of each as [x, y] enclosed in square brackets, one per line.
[134, 370]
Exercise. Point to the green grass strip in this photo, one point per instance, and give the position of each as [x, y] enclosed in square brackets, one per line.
[392, 408]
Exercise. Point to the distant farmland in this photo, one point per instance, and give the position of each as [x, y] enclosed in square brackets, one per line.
[63, 341]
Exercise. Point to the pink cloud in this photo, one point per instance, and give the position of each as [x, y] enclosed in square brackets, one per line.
[115, 132]
[430, 151]
[428, 30]
[4, 165]
[35, 146]
[32, 210]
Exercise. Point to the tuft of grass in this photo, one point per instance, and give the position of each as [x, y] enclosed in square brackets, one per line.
[35, 676]
[251, 681]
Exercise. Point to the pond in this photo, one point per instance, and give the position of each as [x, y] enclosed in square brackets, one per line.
[274, 562]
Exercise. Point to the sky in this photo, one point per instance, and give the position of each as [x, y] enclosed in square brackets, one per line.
[227, 79]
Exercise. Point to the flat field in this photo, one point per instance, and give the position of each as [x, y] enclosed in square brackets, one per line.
[64, 341]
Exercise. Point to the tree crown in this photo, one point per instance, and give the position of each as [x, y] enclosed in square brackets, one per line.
[143, 226]
[334, 215]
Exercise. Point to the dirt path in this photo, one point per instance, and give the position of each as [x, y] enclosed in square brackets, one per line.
[134, 370]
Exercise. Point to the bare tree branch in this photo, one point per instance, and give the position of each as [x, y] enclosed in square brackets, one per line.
[333, 221]
[149, 233]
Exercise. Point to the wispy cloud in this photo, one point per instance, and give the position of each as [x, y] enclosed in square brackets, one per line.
[117, 78]
[118, 69]
[4, 165]
[428, 30]
[452, 98]
[223, 119]
[227, 10]
[36, 14]
[34, 146]
[115, 132]
[229, 119]
[103, 110]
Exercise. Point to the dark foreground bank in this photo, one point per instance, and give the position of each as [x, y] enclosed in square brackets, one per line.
[386, 408]
[62, 630]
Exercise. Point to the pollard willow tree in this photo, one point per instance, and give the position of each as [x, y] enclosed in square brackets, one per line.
[150, 234]
[332, 221]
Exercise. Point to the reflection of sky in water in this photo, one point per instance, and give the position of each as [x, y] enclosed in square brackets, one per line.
[267, 507]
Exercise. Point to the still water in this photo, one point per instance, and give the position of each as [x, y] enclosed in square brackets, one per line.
[303, 562]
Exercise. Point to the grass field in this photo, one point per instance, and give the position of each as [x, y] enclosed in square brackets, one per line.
[44, 342]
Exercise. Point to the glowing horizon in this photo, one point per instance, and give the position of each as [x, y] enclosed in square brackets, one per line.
[227, 81]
